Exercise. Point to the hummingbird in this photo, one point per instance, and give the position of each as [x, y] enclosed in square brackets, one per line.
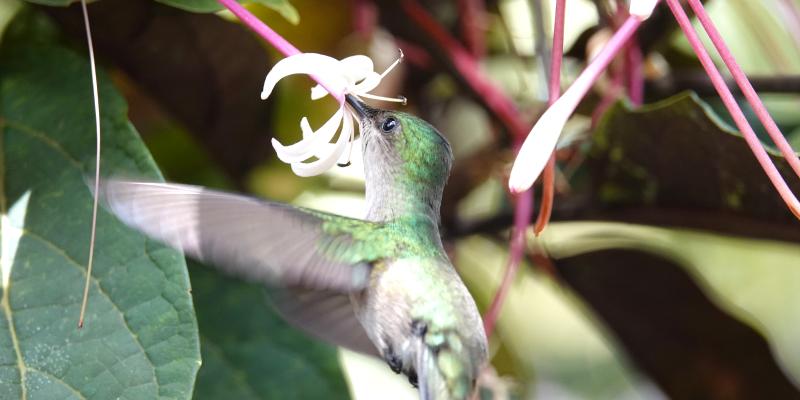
[382, 285]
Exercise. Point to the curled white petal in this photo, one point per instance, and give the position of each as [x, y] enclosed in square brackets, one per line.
[642, 8]
[326, 161]
[312, 140]
[357, 67]
[372, 81]
[538, 146]
[322, 66]
[359, 75]
[318, 92]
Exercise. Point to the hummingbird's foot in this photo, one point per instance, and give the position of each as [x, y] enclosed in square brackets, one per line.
[412, 378]
[393, 360]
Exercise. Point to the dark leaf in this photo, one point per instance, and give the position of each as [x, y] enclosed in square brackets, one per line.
[672, 330]
[205, 71]
[674, 163]
[249, 352]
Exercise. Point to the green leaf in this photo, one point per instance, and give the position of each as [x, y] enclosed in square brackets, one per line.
[672, 329]
[676, 163]
[140, 340]
[249, 352]
[282, 7]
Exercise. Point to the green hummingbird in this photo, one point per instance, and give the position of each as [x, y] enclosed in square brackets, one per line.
[382, 285]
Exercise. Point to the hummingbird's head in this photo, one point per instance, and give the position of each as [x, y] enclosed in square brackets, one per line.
[403, 155]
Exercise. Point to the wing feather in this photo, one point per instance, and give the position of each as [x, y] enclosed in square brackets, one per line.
[272, 243]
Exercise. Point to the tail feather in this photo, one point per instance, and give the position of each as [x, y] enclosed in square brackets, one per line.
[445, 370]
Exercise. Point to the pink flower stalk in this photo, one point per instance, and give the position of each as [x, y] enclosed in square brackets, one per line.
[733, 107]
[273, 38]
[524, 207]
[541, 141]
[553, 91]
[744, 84]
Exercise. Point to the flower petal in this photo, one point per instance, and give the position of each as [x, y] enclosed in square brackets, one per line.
[642, 8]
[372, 81]
[318, 92]
[538, 146]
[357, 67]
[307, 147]
[322, 66]
[326, 161]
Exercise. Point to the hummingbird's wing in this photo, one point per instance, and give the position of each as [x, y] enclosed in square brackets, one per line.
[271, 243]
[324, 314]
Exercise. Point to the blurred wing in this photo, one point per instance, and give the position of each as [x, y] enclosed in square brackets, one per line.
[261, 241]
[326, 315]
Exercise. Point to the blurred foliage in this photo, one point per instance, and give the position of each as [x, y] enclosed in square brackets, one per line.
[254, 354]
[698, 300]
[141, 338]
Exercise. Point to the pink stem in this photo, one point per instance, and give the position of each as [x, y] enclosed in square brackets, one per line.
[365, 16]
[554, 88]
[554, 91]
[747, 89]
[524, 208]
[791, 16]
[273, 38]
[608, 99]
[495, 100]
[472, 22]
[633, 59]
[733, 108]
[522, 214]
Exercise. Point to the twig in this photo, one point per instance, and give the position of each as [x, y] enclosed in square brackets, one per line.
[96, 98]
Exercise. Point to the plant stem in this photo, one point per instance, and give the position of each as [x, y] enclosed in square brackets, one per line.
[522, 216]
[493, 98]
[273, 38]
[96, 97]
[747, 88]
[733, 108]
[554, 91]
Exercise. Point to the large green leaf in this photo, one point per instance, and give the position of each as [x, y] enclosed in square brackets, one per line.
[282, 7]
[140, 340]
[249, 352]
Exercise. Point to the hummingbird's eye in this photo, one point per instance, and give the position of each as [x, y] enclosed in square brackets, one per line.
[389, 125]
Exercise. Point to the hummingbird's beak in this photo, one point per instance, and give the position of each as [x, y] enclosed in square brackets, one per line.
[363, 110]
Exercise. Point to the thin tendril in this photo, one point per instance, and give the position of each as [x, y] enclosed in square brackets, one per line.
[394, 64]
[97, 164]
[399, 99]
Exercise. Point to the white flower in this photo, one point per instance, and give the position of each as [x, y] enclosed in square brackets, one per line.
[541, 141]
[642, 8]
[353, 75]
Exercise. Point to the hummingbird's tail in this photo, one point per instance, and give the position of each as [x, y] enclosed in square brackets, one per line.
[445, 369]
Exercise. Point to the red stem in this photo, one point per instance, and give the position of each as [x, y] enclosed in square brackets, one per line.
[522, 215]
[733, 108]
[744, 84]
[365, 16]
[272, 37]
[633, 63]
[608, 98]
[505, 110]
[472, 23]
[554, 91]
[466, 65]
